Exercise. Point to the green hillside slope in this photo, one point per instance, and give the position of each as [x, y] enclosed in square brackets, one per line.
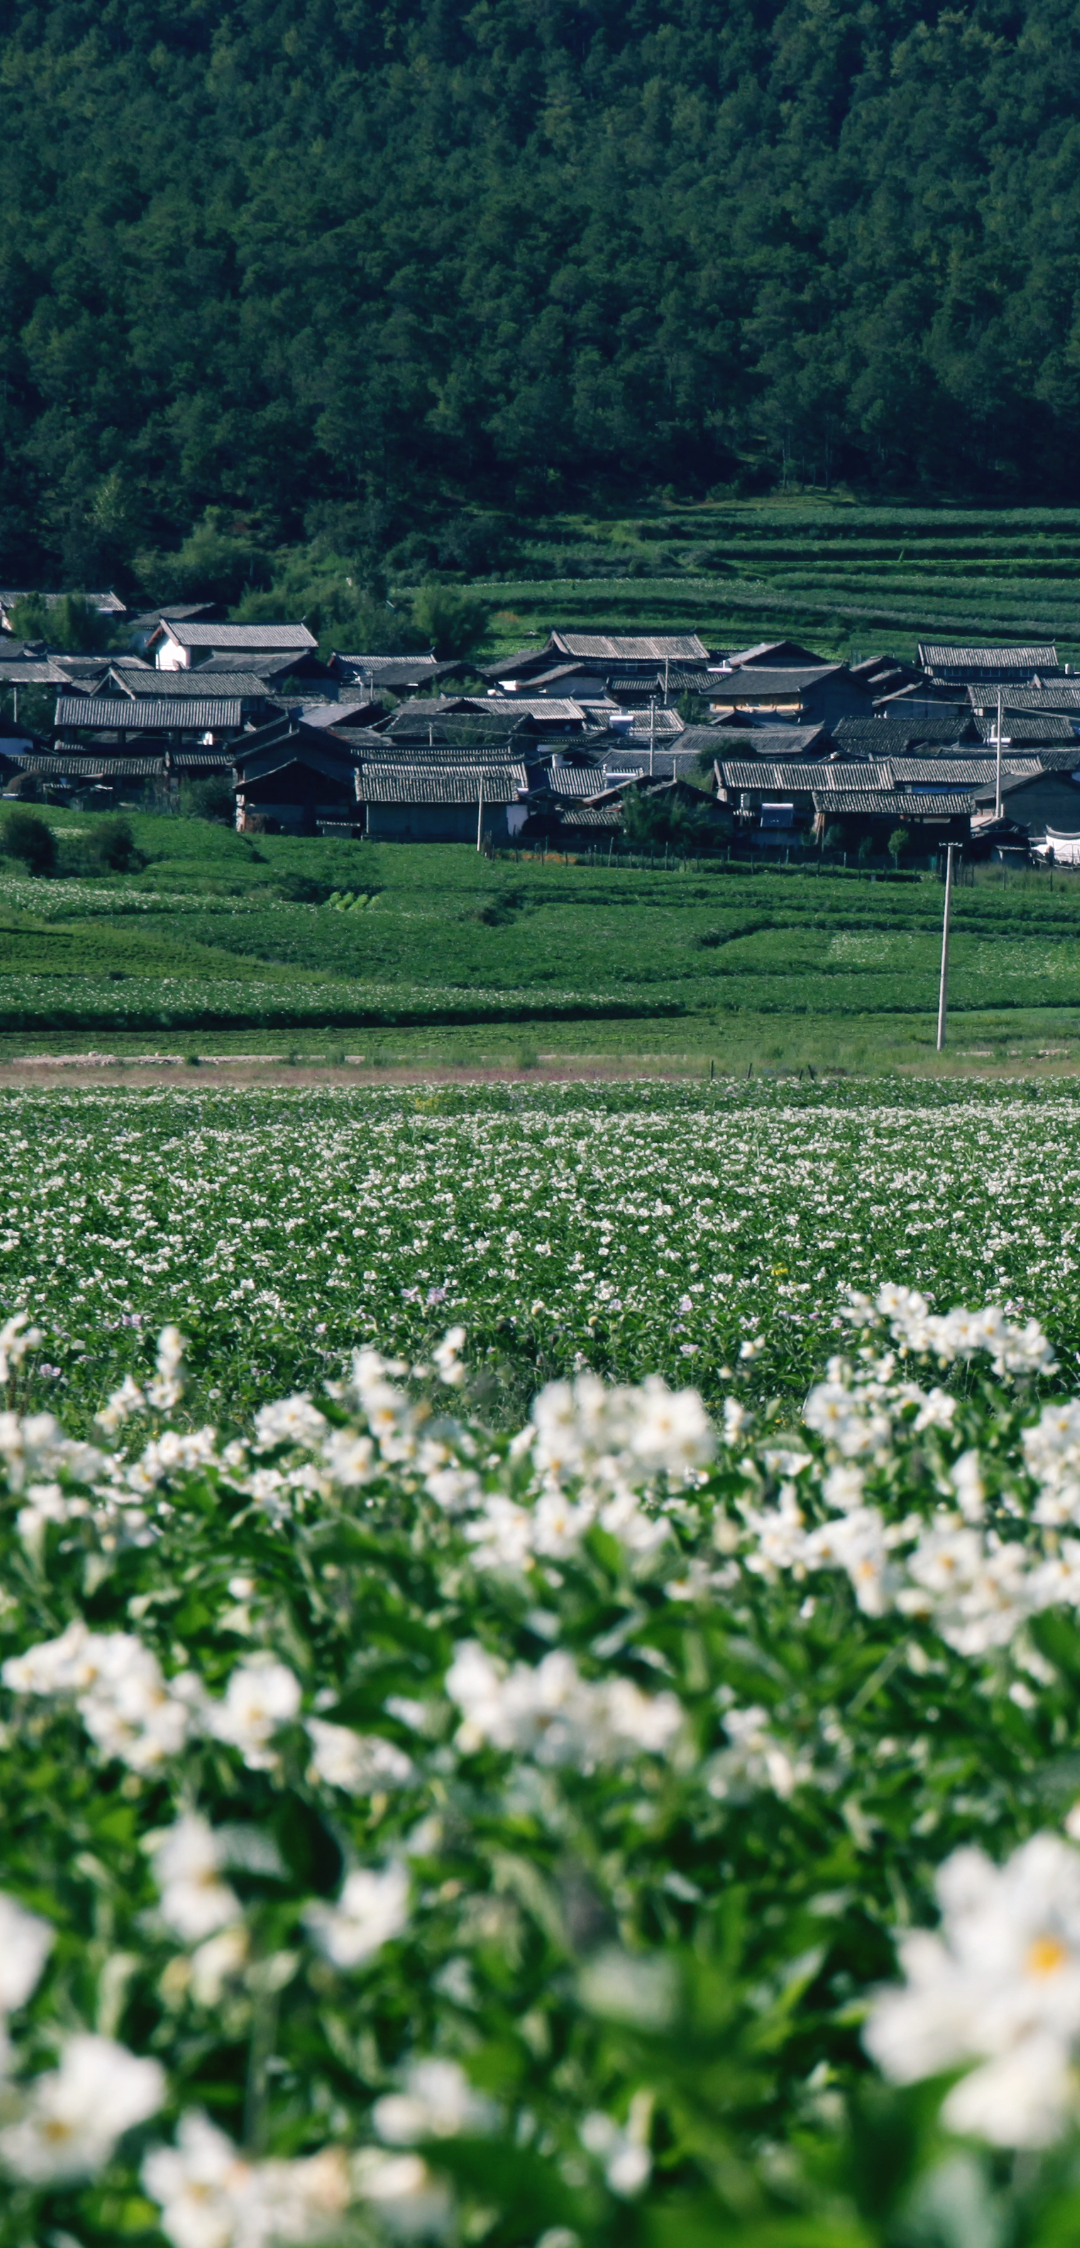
[334, 264]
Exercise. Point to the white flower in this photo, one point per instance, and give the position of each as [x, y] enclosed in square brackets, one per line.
[854, 1542]
[373, 1908]
[187, 1868]
[553, 1713]
[623, 2151]
[755, 1758]
[16, 1338]
[261, 1695]
[54, 1666]
[129, 1709]
[215, 1962]
[360, 1763]
[670, 1432]
[447, 1357]
[167, 1387]
[630, 1987]
[843, 1487]
[349, 1459]
[502, 1535]
[25, 1943]
[211, 2196]
[292, 1420]
[1000, 1985]
[72, 2117]
[967, 1482]
[404, 2195]
[122, 1402]
[438, 2102]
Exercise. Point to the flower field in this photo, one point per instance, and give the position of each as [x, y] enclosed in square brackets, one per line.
[639, 1229]
[645, 1815]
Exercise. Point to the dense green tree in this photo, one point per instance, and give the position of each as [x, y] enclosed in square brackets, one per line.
[334, 265]
[25, 836]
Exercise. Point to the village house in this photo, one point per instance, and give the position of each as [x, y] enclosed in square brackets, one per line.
[180, 644]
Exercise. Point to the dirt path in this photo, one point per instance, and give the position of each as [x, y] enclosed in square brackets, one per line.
[42, 1071]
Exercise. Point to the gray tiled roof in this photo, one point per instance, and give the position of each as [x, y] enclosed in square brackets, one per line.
[437, 756]
[107, 604]
[889, 776]
[408, 784]
[645, 724]
[619, 647]
[245, 686]
[1029, 726]
[250, 663]
[947, 661]
[30, 673]
[863, 736]
[754, 684]
[600, 816]
[893, 803]
[190, 714]
[381, 670]
[78, 765]
[804, 778]
[570, 780]
[1049, 694]
[550, 707]
[288, 638]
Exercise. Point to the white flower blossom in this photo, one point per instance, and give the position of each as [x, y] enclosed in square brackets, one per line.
[373, 1908]
[187, 1860]
[1000, 1986]
[437, 2102]
[405, 2196]
[261, 1696]
[71, 2118]
[212, 2196]
[554, 1714]
[167, 1387]
[447, 1357]
[292, 1420]
[360, 1763]
[623, 2150]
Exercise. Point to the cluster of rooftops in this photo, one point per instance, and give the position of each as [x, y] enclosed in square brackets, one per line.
[770, 742]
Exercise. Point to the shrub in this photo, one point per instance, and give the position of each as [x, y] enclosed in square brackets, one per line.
[454, 621]
[69, 623]
[27, 837]
[112, 848]
[210, 799]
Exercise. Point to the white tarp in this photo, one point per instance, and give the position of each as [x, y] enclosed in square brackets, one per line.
[1063, 849]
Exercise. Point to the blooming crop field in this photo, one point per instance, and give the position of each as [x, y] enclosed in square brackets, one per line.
[539, 1708]
[640, 1229]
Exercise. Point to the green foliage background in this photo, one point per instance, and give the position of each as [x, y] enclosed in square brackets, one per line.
[306, 264]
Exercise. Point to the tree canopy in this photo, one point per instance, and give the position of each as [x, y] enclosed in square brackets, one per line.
[325, 266]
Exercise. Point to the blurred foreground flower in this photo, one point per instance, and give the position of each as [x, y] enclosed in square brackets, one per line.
[69, 2121]
[1001, 1986]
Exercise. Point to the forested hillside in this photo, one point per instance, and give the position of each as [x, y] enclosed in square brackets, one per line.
[333, 265]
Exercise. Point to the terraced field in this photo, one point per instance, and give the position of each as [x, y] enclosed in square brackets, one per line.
[848, 578]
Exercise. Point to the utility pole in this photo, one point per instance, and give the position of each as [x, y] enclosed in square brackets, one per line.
[652, 733]
[943, 987]
[480, 818]
[997, 774]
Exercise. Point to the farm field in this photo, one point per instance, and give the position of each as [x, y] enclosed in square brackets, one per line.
[641, 1814]
[848, 578]
[641, 1228]
[222, 942]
